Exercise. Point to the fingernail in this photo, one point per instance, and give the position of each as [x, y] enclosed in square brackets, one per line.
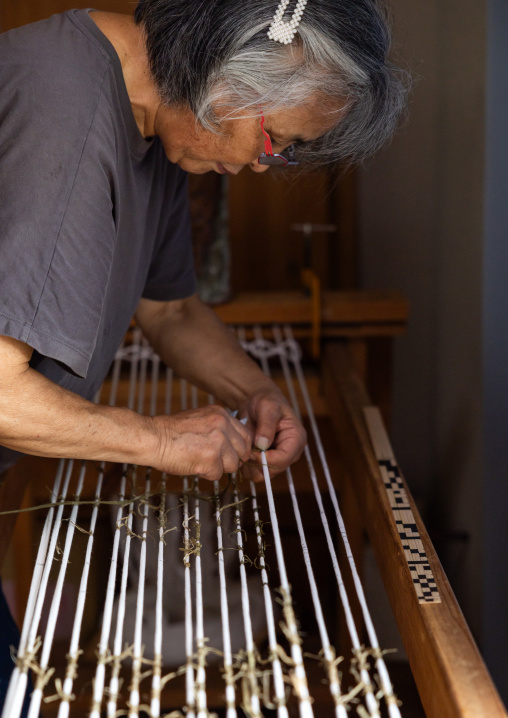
[262, 443]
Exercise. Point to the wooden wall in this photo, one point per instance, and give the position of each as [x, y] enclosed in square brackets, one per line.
[267, 252]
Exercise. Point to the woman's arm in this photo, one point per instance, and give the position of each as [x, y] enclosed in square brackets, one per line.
[190, 338]
[39, 417]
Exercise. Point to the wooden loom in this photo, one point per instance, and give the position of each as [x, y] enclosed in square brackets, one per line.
[449, 672]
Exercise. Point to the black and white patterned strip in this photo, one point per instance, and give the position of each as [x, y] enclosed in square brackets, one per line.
[418, 563]
[414, 551]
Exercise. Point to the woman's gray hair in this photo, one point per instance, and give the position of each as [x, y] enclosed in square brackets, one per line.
[212, 55]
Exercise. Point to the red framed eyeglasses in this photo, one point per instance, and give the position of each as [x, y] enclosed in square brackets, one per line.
[269, 157]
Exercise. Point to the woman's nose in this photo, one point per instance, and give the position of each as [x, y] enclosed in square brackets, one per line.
[256, 167]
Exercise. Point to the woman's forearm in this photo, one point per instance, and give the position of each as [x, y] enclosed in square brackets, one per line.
[190, 338]
[39, 417]
[198, 346]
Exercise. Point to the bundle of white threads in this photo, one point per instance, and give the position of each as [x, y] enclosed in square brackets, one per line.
[282, 31]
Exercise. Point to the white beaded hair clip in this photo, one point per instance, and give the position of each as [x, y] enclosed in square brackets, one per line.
[282, 31]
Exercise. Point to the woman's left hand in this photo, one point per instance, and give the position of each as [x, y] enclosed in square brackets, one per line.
[276, 430]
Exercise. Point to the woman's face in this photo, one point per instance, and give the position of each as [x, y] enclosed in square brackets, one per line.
[241, 141]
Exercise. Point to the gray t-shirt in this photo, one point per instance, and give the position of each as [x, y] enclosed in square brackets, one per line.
[92, 216]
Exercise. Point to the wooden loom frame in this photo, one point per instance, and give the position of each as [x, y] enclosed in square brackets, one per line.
[451, 677]
[450, 674]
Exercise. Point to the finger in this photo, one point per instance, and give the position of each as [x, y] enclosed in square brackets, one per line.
[241, 440]
[242, 426]
[288, 448]
[231, 461]
[252, 472]
[213, 472]
[280, 457]
[225, 461]
[227, 429]
[267, 417]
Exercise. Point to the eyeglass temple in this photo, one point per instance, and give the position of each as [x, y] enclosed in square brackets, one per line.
[268, 142]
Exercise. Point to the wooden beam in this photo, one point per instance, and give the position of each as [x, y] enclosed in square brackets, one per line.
[450, 674]
[345, 308]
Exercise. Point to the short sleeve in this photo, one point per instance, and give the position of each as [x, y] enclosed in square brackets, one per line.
[57, 231]
[55, 268]
[171, 273]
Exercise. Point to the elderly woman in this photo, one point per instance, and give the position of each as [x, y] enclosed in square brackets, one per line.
[101, 117]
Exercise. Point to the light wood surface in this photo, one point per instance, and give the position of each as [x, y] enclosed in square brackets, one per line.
[451, 676]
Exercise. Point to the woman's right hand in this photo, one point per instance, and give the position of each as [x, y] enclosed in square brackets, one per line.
[206, 442]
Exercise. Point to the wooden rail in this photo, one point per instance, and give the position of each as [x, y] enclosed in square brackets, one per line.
[450, 674]
[351, 313]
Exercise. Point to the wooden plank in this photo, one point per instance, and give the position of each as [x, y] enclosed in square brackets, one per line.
[450, 674]
[351, 307]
